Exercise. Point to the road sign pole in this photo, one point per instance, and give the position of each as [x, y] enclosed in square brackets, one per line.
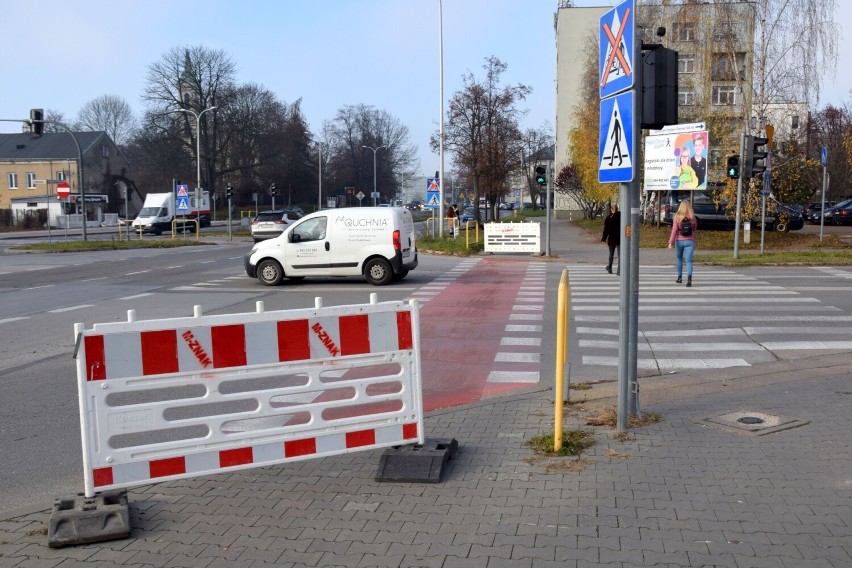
[824, 160]
[739, 198]
[635, 208]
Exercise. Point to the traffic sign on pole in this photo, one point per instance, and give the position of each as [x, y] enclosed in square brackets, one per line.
[823, 156]
[617, 33]
[63, 190]
[615, 158]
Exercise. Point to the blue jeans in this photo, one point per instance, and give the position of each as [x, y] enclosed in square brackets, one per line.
[684, 250]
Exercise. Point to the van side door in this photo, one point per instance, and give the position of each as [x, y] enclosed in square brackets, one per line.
[308, 248]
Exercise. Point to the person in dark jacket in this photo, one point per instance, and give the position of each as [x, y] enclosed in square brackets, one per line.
[612, 235]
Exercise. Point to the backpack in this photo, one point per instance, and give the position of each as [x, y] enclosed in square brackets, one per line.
[686, 227]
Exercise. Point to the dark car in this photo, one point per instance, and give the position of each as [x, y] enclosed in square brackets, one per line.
[840, 214]
[713, 215]
[813, 211]
[270, 224]
[467, 214]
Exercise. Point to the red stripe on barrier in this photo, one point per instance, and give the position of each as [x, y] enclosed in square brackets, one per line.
[159, 352]
[102, 476]
[168, 466]
[293, 341]
[229, 345]
[409, 431]
[304, 447]
[95, 357]
[239, 456]
[360, 438]
[354, 334]
[403, 330]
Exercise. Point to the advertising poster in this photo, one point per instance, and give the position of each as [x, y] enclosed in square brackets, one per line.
[676, 161]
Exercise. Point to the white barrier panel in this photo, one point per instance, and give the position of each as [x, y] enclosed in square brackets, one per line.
[513, 237]
[175, 398]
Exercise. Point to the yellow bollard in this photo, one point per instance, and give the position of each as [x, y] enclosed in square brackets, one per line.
[562, 306]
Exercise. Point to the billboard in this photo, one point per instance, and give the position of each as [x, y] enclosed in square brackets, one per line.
[676, 160]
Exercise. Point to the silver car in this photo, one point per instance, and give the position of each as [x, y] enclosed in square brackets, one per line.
[270, 224]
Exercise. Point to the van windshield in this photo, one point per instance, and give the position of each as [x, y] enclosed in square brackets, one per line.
[150, 212]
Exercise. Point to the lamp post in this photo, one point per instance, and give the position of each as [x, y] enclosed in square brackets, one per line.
[197, 116]
[374, 169]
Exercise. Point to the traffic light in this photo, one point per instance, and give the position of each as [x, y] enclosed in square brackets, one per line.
[37, 121]
[229, 192]
[273, 190]
[755, 156]
[541, 175]
[733, 167]
[659, 88]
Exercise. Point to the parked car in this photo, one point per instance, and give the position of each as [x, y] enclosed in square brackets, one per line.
[467, 214]
[507, 206]
[840, 214]
[813, 211]
[270, 224]
[713, 215]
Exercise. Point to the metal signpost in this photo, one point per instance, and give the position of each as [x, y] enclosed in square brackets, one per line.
[823, 160]
[619, 60]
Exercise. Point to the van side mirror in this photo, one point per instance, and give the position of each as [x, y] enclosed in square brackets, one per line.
[294, 237]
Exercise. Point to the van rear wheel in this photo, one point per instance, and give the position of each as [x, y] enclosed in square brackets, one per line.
[270, 272]
[378, 272]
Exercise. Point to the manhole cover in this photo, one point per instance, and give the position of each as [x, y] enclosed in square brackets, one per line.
[752, 422]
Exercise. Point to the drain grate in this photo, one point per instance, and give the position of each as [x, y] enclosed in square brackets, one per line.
[752, 423]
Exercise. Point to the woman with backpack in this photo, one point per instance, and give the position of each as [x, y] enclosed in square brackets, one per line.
[684, 227]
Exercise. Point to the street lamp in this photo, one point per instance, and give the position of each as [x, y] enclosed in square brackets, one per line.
[197, 116]
[374, 169]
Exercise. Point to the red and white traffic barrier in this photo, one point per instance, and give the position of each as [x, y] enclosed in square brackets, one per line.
[182, 397]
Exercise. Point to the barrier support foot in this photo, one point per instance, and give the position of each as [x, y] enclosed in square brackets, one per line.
[417, 463]
[81, 520]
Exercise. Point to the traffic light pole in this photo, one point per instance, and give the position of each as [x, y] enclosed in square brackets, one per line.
[739, 198]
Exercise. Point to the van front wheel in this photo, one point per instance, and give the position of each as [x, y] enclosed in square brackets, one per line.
[378, 272]
[270, 272]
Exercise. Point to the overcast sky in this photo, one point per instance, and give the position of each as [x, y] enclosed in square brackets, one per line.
[329, 53]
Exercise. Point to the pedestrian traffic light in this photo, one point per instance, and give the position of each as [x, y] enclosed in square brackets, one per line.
[755, 156]
[37, 121]
[273, 190]
[229, 192]
[733, 167]
[540, 175]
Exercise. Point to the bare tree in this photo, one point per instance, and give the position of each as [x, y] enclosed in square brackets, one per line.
[192, 79]
[482, 132]
[111, 114]
[356, 126]
[536, 148]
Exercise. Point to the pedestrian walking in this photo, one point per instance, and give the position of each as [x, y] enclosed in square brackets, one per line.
[684, 228]
[612, 235]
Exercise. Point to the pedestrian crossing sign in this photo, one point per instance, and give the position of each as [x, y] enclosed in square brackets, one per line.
[183, 204]
[615, 159]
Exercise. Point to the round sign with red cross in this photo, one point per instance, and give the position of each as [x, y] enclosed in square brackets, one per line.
[63, 190]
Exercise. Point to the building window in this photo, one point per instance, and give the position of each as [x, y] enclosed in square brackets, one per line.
[686, 63]
[725, 31]
[13, 180]
[685, 97]
[61, 175]
[724, 95]
[794, 122]
[683, 31]
[104, 151]
[31, 180]
[723, 67]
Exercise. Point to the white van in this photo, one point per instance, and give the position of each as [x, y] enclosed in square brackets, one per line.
[375, 242]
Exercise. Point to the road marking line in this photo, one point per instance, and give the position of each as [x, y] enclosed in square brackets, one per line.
[517, 357]
[70, 308]
[669, 364]
[10, 320]
[142, 295]
[518, 341]
[513, 377]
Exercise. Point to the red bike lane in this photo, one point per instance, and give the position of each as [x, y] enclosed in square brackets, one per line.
[480, 331]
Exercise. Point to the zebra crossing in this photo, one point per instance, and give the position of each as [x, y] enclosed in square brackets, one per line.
[727, 319]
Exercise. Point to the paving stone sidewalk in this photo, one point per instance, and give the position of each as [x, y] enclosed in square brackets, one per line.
[679, 492]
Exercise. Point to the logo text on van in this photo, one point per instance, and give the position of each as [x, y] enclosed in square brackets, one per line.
[348, 222]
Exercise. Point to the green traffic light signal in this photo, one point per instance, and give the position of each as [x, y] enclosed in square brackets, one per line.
[541, 175]
[733, 167]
